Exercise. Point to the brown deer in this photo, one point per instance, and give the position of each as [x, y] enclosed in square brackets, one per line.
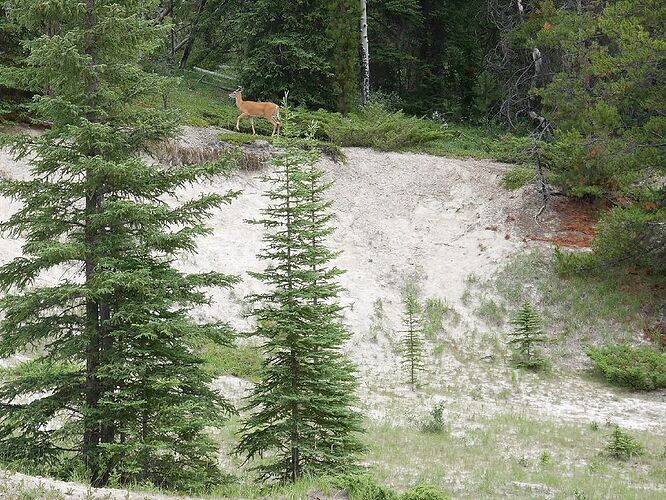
[252, 109]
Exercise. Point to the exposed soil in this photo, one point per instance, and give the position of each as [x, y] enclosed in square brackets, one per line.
[567, 222]
[400, 215]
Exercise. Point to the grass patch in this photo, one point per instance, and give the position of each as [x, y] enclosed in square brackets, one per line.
[240, 361]
[202, 105]
[328, 149]
[503, 456]
[434, 313]
[491, 312]
[466, 141]
[517, 177]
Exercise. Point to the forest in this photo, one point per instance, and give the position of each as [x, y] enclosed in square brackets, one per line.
[399, 249]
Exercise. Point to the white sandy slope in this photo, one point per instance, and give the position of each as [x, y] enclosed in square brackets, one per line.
[400, 215]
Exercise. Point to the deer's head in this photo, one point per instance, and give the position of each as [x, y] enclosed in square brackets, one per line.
[236, 92]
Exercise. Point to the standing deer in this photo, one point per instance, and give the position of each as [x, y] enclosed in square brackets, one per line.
[252, 109]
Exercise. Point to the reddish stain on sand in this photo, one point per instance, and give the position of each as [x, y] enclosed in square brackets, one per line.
[572, 224]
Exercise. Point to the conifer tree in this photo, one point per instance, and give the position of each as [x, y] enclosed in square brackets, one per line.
[301, 412]
[116, 385]
[412, 343]
[527, 335]
[309, 48]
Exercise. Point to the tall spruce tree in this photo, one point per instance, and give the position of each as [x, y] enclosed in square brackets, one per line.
[116, 384]
[412, 342]
[301, 412]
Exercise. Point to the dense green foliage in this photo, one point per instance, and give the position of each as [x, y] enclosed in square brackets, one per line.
[309, 48]
[301, 412]
[600, 85]
[364, 487]
[608, 101]
[427, 55]
[527, 336]
[641, 368]
[115, 364]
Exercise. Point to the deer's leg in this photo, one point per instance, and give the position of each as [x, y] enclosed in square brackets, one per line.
[252, 122]
[276, 125]
[242, 115]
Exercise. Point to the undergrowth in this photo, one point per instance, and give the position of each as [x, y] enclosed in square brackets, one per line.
[240, 361]
[579, 310]
[642, 368]
[372, 126]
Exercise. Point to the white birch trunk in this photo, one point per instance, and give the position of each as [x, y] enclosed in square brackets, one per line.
[365, 53]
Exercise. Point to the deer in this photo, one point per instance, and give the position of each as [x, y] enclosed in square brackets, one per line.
[252, 109]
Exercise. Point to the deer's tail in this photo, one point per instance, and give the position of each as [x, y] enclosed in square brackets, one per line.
[277, 114]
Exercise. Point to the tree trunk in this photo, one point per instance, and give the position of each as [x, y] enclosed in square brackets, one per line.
[365, 53]
[193, 34]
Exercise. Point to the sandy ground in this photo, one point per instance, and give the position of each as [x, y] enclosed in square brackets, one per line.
[400, 215]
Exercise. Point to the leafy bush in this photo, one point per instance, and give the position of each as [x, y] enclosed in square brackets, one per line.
[372, 126]
[642, 368]
[623, 446]
[424, 492]
[517, 177]
[363, 487]
[239, 361]
[435, 424]
[433, 316]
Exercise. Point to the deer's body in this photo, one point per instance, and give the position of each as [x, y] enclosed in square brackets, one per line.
[252, 110]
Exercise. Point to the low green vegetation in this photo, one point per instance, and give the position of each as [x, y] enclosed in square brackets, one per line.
[364, 487]
[502, 456]
[642, 368]
[371, 126]
[435, 422]
[517, 177]
[578, 310]
[434, 312]
[623, 446]
[328, 149]
[240, 361]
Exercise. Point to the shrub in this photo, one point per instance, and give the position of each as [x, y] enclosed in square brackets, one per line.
[623, 446]
[433, 316]
[240, 361]
[641, 368]
[363, 487]
[424, 492]
[517, 177]
[372, 126]
[435, 424]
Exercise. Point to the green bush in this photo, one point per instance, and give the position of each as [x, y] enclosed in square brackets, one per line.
[372, 126]
[240, 361]
[623, 446]
[363, 487]
[641, 368]
[435, 423]
[517, 177]
[424, 492]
